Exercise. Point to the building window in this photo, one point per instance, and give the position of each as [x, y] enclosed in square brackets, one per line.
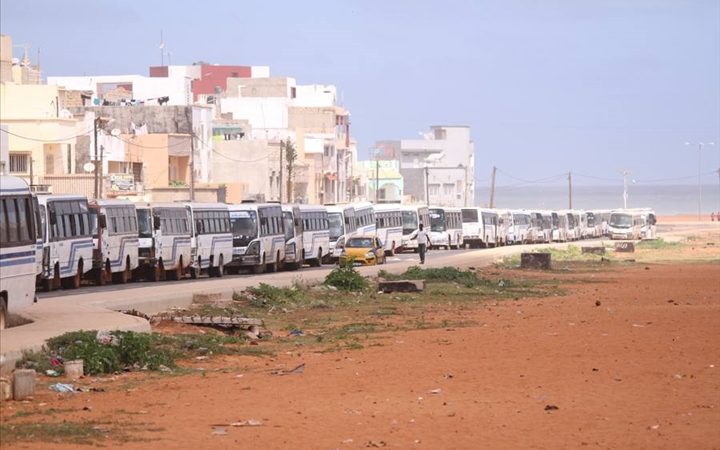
[448, 189]
[293, 92]
[19, 162]
[434, 189]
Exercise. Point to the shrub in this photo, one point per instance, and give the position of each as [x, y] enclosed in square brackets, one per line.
[266, 295]
[346, 278]
[440, 274]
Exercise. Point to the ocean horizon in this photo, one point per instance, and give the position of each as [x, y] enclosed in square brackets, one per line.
[664, 199]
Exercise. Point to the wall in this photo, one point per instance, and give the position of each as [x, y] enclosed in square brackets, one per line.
[315, 95]
[152, 151]
[262, 113]
[260, 87]
[5, 58]
[212, 76]
[20, 101]
[143, 88]
[246, 165]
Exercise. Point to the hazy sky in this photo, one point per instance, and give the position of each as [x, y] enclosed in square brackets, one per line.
[547, 86]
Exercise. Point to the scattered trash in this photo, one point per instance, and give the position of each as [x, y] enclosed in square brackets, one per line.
[551, 408]
[376, 444]
[677, 376]
[239, 375]
[595, 370]
[347, 441]
[637, 325]
[87, 408]
[219, 430]
[598, 303]
[247, 423]
[106, 338]
[296, 370]
[52, 373]
[200, 358]
[62, 387]
[655, 427]
[297, 333]
[435, 391]
[501, 283]
[163, 368]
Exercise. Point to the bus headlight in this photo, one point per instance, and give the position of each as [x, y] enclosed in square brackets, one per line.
[369, 255]
[290, 248]
[253, 248]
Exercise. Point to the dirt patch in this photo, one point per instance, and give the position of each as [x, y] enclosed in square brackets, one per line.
[620, 357]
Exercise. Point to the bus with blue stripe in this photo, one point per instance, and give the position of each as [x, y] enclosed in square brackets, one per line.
[316, 234]
[67, 243]
[115, 239]
[258, 236]
[164, 241]
[18, 232]
[389, 222]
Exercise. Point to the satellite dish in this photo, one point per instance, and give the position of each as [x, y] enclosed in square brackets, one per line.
[89, 167]
[115, 132]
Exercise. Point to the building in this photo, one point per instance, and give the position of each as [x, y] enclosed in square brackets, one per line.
[383, 177]
[438, 168]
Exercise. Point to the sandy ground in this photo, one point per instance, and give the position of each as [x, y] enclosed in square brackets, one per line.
[629, 358]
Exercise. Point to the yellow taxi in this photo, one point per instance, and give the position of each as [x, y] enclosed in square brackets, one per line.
[366, 250]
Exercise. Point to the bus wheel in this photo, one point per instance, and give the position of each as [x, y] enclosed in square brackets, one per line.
[318, 261]
[220, 267]
[124, 276]
[177, 274]
[56, 281]
[73, 282]
[260, 268]
[273, 267]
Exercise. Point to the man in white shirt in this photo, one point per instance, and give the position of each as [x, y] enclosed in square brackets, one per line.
[424, 243]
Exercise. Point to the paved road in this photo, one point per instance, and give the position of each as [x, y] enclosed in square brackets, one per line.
[93, 307]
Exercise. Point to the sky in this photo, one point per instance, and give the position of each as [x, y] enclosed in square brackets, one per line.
[547, 86]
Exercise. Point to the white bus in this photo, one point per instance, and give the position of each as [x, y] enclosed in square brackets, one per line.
[293, 225]
[115, 240]
[165, 241]
[18, 244]
[559, 227]
[413, 216]
[445, 227]
[342, 225]
[389, 224]
[316, 234]
[593, 226]
[625, 224]
[520, 228]
[365, 219]
[648, 229]
[212, 241]
[479, 227]
[505, 223]
[68, 245]
[258, 236]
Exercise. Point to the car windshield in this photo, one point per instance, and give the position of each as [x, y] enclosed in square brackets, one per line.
[359, 243]
[437, 220]
[336, 226]
[620, 220]
[410, 222]
[243, 225]
[145, 227]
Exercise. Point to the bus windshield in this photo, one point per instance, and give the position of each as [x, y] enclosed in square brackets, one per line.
[145, 227]
[437, 220]
[289, 225]
[409, 222]
[620, 220]
[336, 226]
[243, 226]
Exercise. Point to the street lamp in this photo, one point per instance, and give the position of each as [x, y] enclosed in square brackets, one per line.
[700, 147]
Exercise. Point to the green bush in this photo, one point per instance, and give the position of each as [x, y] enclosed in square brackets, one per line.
[439, 274]
[266, 295]
[346, 278]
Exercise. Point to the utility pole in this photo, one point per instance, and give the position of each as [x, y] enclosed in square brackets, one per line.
[625, 173]
[492, 187]
[569, 190]
[280, 186]
[31, 170]
[427, 185]
[377, 176]
[97, 162]
[100, 180]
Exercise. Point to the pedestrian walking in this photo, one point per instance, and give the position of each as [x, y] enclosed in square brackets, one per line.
[423, 243]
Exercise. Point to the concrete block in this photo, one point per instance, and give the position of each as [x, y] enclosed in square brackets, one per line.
[625, 247]
[593, 250]
[535, 261]
[23, 384]
[206, 297]
[388, 287]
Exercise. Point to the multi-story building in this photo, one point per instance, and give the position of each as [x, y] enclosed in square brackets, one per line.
[438, 168]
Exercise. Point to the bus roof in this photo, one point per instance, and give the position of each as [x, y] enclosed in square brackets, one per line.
[13, 185]
[251, 206]
[194, 205]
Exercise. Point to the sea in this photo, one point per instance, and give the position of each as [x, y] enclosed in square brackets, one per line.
[664, 199]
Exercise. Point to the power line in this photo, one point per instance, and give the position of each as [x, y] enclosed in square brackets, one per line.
[45, 140]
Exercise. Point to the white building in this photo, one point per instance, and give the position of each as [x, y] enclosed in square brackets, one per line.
[441, 165]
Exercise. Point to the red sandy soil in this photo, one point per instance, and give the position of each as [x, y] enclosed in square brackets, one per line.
[641, 369]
